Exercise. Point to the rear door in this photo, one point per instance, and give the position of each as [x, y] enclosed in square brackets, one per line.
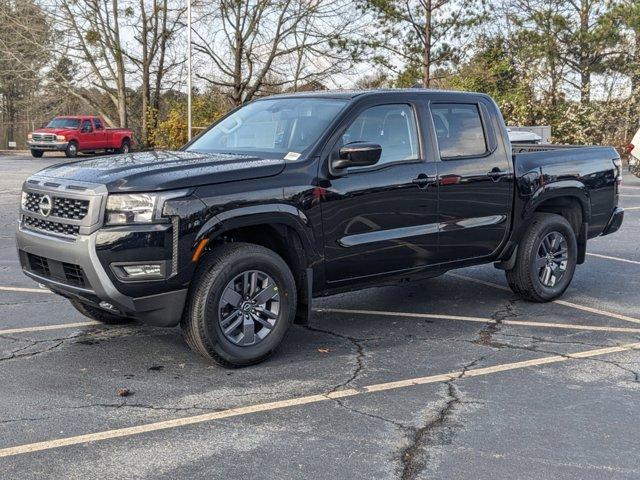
[87, 135]
[99, 134]
[475, 178]
[383, 218]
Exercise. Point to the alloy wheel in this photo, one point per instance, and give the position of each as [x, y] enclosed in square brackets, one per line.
[552, 257]
[249, 308]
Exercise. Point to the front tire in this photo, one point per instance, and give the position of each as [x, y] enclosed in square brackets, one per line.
[71, 150]
[37, 153]
[98, 314]
[546, 259]
[241, 304]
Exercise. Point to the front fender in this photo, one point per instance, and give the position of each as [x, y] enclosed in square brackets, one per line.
[268, 214]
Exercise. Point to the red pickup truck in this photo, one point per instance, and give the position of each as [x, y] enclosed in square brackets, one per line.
[74, 134]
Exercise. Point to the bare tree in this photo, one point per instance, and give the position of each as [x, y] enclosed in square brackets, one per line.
[89, 34]
[259, 45]
[24, 26]
[155, 28]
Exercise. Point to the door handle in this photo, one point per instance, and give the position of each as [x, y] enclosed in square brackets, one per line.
[423, 180]
[496, 174]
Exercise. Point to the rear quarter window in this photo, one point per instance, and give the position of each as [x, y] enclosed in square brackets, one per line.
[459, 130]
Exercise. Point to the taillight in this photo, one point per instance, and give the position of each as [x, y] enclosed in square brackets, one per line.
[630, 148]
[617, 165]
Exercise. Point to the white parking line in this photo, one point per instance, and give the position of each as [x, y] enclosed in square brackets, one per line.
[523, 323]
[43, 328]
[559, 302]
[631, 208]
[627, 195]
[26, 290]
[306, 400]
[635, 262]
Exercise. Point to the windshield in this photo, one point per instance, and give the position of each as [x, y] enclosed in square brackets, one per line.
[282, 127]
[64, 123]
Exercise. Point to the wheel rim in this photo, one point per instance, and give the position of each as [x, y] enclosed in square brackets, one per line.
[249, 308]
[552, 258]
[73, 149]
[125, 148]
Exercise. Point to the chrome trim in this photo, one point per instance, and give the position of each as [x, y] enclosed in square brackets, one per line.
[388, 235]
[417, 230]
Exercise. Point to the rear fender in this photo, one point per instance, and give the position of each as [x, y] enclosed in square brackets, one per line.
[562, 188]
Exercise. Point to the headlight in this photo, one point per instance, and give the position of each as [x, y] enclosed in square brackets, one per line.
[130, 208]
[60, 138]
[123, 209]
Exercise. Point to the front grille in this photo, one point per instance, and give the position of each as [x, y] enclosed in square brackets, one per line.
[67, 273]
[49, 226]
[63, 207]
[70, 208]
[32, 202]
[43, 137]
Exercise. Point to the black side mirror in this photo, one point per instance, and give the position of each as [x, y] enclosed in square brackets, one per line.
[358, 154]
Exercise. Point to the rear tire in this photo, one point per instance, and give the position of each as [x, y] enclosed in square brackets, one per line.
[209, 317]
[546, 259]
[125, 147]
[72, 150]
[37, 153]
[98, 314]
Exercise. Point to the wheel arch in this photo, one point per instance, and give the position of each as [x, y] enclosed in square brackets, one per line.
[569, 199]
[282, 228]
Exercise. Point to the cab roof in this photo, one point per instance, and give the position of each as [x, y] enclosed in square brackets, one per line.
[352, 94]
[77, 117]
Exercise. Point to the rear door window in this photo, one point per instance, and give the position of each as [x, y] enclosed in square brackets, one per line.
[86, 126]
[98, 123]
[459, 130]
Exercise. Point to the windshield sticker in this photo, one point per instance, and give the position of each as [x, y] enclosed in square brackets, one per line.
[292, 156]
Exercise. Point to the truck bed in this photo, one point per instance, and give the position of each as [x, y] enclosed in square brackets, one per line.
[527, 157]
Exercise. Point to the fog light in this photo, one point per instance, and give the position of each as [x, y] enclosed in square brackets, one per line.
[148, 270]
[131, 272]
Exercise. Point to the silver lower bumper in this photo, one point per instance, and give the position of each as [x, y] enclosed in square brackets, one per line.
[47, 145]
[162, 309]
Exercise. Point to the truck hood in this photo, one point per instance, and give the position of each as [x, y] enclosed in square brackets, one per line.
[57, 131]
[155, 171]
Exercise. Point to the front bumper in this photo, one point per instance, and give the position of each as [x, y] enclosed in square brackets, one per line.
[63, 255]
[42, 145]
[615, 222]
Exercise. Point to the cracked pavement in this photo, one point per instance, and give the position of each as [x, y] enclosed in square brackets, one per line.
[572, 420]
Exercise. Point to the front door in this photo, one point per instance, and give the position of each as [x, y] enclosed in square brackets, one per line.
[382, 218]
[475, 180]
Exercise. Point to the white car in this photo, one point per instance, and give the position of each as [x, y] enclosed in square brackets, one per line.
[633, 149]
[521, 136]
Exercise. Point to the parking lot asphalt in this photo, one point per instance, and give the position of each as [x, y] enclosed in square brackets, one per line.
[452, 378]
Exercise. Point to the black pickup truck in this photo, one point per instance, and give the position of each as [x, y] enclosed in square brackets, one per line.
[304, 195]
